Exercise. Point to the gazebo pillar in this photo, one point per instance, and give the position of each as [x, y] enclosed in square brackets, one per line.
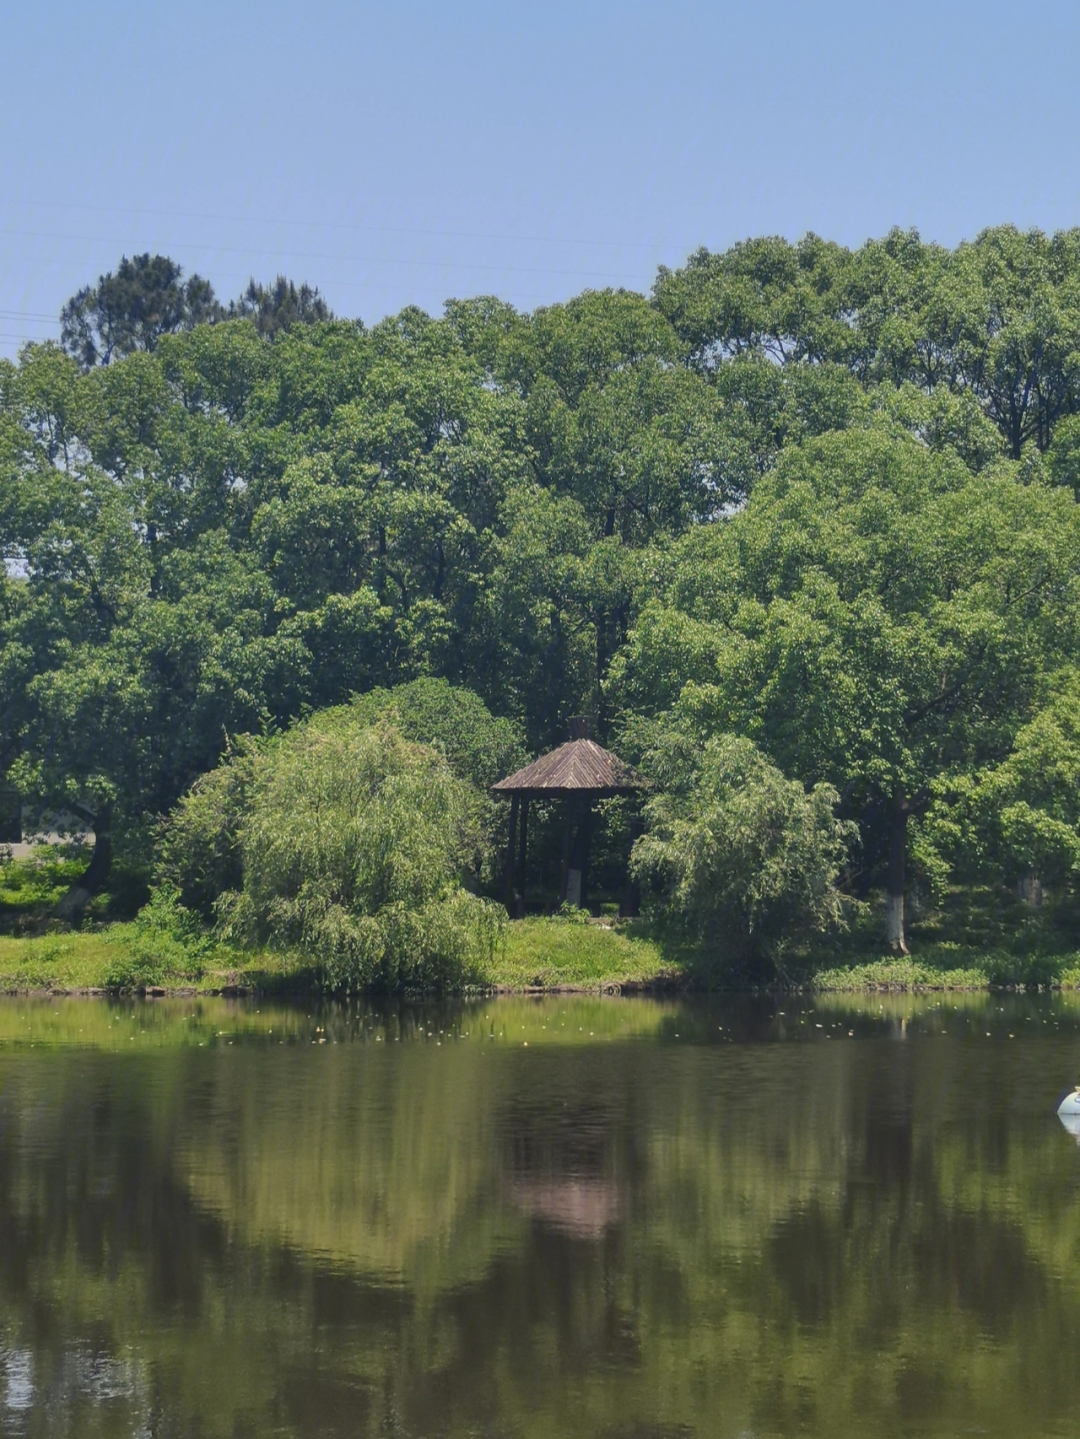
[523, 855]
[510, 906]
[576, 846]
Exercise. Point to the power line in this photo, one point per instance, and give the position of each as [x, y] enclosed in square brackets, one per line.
[325, 224]
[318, 255]
[26, 315]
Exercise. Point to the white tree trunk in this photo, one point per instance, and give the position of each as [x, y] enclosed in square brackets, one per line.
[894, 902]
[894, 923]
[1031, 890]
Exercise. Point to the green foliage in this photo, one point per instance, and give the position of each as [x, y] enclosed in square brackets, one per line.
[822, 498]
[32, 884]
[198, 849]
[352, 847]
[746, 860]
[276, 308]
[1022, 816]
[166, 945]
[131, 308]
[478, 746]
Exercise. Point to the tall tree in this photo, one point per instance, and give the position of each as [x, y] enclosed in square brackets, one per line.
[131, 307]
[278, 307]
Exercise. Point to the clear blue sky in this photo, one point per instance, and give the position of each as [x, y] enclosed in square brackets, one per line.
[406, 152]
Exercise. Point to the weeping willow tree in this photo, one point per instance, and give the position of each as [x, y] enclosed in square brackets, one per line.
[746, 860]
[352, 845]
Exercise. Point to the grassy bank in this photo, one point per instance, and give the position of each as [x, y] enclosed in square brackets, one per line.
[536, 954]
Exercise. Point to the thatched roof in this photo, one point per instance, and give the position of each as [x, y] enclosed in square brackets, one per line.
[579, 767]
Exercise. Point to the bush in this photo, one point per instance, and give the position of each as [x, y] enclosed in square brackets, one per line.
[352, 847]
[166, 944]
[198, 850]
[33, 885]
[745, 859]
[198, 847]
[479, 747]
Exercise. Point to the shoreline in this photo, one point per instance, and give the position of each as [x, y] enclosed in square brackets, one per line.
[609, 990]
[536, 957]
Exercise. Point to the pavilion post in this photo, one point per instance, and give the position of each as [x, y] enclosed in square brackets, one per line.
[568, 849]
[523, 854]
[510, 905]
[577, 872]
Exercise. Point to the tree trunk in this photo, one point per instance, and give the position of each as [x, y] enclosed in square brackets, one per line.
[1031, 890]
[894, 900]
[71, 907]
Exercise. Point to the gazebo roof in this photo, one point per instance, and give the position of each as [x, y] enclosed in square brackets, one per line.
[578, 767]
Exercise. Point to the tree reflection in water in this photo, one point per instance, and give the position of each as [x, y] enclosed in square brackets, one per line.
[696, 1220]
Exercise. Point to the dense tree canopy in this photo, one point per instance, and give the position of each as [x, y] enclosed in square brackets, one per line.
[819, 498]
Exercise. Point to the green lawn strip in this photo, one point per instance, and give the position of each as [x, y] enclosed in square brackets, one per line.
[59, 961]
[114, 958]
[532, 954]
[549, 953]
[535, 953]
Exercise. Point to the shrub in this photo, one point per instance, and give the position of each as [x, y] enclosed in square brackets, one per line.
[166, 944]
[478, 746]
[198, 847]
[746, 860]
[198, 850]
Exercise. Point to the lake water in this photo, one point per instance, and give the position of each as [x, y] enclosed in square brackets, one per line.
[563, 1217]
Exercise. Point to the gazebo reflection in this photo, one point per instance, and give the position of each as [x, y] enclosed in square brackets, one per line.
[579, 1205]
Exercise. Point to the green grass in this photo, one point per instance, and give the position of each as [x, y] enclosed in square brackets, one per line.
[32, 885]
[548, 953]
[535, 954]
[953, 967]
[119, 958]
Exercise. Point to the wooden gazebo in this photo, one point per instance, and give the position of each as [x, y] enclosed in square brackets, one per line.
[580, 771]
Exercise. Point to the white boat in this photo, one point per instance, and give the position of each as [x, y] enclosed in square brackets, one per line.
[1070, 1105]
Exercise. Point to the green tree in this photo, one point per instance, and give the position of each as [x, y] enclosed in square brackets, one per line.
[352, 850]
[278, 307]
[764, 298]
[1018, 819]
[998, 318]
[130, 309]
[746, 859]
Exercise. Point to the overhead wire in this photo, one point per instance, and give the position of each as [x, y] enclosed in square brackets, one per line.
[326, 224]
[322, 255]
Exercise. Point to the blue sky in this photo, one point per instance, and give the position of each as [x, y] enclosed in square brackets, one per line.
[404, 153]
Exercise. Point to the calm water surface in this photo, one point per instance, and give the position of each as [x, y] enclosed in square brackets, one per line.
[568, 1217]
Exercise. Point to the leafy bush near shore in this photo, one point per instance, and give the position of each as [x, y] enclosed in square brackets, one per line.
[352, 845]
[165, 945]
[198, 849]
[478, 746]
